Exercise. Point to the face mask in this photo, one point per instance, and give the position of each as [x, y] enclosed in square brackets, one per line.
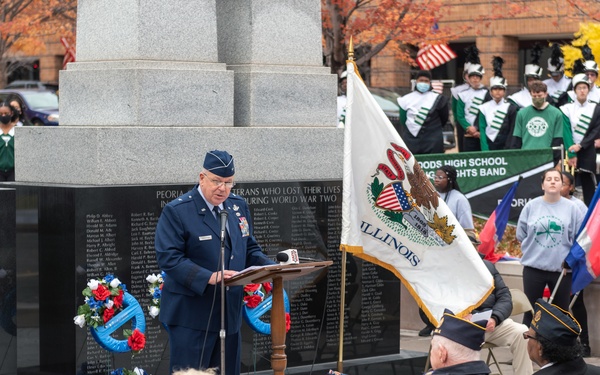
[422, 87]
[538, 102]
[5, 119]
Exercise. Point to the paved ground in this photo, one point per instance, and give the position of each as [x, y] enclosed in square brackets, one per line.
[410, 340]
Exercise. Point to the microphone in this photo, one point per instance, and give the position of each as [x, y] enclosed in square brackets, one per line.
[289, 256]
[223, 214]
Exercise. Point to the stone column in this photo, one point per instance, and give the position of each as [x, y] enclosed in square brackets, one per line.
[150, 63]
[150, 93]
[274, 48]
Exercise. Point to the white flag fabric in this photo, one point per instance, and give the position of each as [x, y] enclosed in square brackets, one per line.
[393, 217]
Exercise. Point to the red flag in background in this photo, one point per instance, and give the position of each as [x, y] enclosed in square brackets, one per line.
[432, 56]
[69, 52]
[492, 232]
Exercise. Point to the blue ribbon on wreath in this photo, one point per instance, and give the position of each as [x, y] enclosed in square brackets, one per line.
[252, 315]
[132, 311]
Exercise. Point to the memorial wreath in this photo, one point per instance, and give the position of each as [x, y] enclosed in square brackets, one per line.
[124, 371]
[104, 299]
[255, 294]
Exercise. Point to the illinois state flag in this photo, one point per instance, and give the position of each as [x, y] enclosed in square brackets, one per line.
[584, 257]
[492, 232]
[393, 217]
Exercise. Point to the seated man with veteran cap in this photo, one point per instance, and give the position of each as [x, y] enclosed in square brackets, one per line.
[455, 347]
[188, 250]
[553, 342]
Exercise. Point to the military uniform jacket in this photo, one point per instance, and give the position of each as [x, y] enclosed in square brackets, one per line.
[575, 367]
[467, 368]
[188, 249]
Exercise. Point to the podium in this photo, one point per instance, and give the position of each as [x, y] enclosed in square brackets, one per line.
[277, 274]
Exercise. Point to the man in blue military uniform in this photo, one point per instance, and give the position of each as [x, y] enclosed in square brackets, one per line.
[188, 251]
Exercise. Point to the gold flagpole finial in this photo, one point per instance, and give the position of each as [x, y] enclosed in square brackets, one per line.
[351, 50]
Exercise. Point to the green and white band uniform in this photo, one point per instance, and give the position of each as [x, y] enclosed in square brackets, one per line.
[416, 107]
[577, 118]
[468, 105]
[494, 114]
[7, 151]
[556, 89]
[521, 98]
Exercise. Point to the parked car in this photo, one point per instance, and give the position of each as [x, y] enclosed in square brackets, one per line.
[388, 101]
[40, 106]
[24, 84]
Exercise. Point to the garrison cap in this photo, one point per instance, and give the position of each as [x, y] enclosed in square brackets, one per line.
[219, 163]
[461, 331]
[555, 324]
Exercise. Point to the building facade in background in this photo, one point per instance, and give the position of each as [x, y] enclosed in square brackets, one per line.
[511, 37]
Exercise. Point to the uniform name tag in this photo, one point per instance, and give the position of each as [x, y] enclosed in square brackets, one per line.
[205, 238]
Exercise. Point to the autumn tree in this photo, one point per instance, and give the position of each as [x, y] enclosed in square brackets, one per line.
[375, 25]
[25, 26]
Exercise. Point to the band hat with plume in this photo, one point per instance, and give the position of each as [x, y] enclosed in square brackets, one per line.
[471, 57]
[498, 79]
[534, 69]
[590, 64]
[580, 78]
[476, 69]
[556, 62]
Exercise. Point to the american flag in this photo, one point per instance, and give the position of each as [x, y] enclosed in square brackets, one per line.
[432, 56]
[69, 52]
[393, 198]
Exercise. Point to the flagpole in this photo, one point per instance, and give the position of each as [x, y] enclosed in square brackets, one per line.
[562, 274]
[340, 363]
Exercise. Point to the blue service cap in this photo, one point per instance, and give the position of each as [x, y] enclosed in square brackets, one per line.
[219, 163]
[461, 331]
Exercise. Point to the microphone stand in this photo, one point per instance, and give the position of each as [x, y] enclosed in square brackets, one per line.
[222, 333]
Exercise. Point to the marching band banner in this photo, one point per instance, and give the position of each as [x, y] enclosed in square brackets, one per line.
[484, 177]
[392, 215]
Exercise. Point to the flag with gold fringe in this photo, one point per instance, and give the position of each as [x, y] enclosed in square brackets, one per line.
[393, 217]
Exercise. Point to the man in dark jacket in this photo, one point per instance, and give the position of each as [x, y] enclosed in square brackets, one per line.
[552, 342]
[500, 329]
[456, 345]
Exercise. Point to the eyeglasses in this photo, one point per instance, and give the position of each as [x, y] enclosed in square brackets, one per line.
[218, 183]
[439, 177]
[527, 336]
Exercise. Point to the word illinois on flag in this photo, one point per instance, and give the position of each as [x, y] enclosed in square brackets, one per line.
[584, 256]
[432, 56]
[393, 217]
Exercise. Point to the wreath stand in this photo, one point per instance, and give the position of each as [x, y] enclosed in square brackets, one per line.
[277, 273]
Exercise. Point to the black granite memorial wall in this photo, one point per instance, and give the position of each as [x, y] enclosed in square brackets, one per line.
[87, 232]
[8, 287]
